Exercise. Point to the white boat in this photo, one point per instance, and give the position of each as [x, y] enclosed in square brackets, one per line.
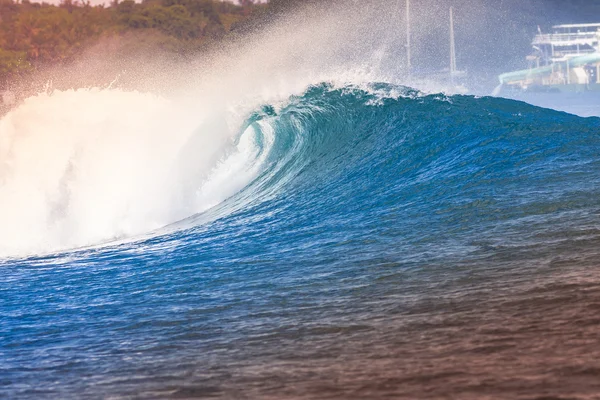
[567, 60]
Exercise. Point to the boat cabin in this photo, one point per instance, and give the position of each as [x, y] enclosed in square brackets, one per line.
[566, 41]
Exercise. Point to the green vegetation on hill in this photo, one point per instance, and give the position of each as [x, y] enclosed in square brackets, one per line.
[33, 35]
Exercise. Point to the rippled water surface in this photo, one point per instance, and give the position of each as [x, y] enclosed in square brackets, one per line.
[399, 246]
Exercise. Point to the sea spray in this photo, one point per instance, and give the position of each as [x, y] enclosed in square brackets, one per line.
[84, 166]
[160, 126]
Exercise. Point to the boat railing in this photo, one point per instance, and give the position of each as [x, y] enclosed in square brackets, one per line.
[558, 38]
[561, 54]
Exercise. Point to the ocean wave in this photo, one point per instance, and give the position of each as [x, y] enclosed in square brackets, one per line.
[85, 175]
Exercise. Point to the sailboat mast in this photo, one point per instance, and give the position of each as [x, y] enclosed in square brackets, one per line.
[452, 44]
[408, 60]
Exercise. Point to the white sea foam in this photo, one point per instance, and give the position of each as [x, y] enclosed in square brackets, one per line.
[84, 166]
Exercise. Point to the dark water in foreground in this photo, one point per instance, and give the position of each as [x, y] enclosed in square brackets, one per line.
[411, 247]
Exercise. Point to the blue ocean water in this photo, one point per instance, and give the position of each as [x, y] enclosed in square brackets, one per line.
[403, 246]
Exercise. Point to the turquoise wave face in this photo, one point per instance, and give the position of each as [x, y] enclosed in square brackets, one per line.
[392, 244]
[448, 172]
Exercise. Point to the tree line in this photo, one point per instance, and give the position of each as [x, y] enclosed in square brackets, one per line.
[33, 35]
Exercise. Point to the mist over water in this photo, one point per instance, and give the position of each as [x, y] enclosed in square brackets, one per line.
[294, 216]
[88, 165]
[83, 166]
